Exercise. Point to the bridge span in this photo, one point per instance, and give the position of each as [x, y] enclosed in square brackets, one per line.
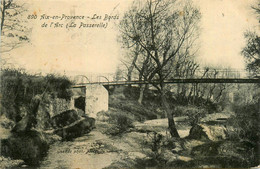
[172, 81]
[95, 93]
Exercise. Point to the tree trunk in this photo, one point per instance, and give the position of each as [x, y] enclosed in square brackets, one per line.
[129, 74]
[259, 105]
[3, 17]
[129, 77]
[141, 95]
[131, 68]
[171, 124]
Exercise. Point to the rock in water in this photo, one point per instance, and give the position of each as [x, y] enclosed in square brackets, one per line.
[76, 129]
[65, 118]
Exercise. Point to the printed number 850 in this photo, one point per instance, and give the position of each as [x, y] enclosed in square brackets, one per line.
[32, 17]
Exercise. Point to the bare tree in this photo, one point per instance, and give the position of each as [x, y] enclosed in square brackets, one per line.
[14, 30]
[161, 30]
[129, 61]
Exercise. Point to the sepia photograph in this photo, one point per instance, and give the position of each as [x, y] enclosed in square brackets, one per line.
[100, 84]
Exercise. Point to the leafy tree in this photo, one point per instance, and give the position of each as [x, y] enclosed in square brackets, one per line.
[252, 50]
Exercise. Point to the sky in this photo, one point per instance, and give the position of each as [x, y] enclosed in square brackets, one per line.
[96, 50]
[223, 25]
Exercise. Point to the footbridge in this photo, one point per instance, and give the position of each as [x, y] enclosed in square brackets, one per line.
[93, 87]
[171, 81]
[213, 76]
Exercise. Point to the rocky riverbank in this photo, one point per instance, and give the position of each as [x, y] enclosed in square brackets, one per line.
[26, 141]
[146, 144]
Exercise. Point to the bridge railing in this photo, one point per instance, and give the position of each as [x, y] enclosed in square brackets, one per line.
[211, 74]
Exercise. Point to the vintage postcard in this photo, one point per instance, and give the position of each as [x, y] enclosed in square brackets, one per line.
[92, 84]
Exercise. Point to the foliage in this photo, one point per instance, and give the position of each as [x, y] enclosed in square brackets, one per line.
[121, 123]
[31, 147]
[160, 151]
[58, 85]
[147, 111]
[155, 144]
[246, 129]
[209, 95]
[194, 113]
[222, 154]
[244, 125]
[251, 51]
[18, 88]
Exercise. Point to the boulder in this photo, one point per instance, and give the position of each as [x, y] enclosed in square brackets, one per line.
[37, 115]
[217, 117]
[30, 119]
[64, 119]
[41, 111]
[30, 146]
[208, 132]
[25, 124]
[197, 132]
[76, 129]
[49, 107]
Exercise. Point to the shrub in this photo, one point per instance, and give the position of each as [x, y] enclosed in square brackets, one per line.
[194, 113]
[245, 127]
[121, 123]
[18, 88]
[246, 121]
[155, 144]
[141, 112]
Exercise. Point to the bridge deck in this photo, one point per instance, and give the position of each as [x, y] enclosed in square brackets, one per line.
[201, 80]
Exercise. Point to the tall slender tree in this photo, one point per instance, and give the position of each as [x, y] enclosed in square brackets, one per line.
[162, 29]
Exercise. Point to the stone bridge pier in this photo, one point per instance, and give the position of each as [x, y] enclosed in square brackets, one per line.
[95, 96]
